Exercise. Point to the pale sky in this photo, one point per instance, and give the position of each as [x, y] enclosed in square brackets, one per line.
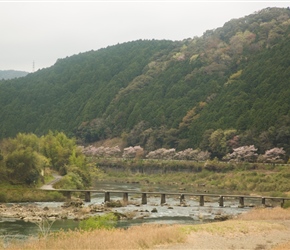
[43, 31]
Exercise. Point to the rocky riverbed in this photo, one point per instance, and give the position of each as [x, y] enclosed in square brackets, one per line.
[76, 209]
[73, 209]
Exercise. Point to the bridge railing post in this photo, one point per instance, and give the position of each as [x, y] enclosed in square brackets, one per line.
[87, 196]
[163, 199]
[201, 200]
[107, 196]
[144, 198]
[125, 199]
[221, 201]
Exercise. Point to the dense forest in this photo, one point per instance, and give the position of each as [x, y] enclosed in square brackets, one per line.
[226, 89]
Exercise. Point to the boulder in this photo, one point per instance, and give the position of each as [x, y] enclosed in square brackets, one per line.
[222, 217]
[73, 203]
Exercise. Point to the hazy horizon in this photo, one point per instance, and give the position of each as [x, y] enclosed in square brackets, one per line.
[42, 32]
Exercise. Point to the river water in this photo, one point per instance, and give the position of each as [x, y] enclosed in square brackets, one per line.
[171, 213]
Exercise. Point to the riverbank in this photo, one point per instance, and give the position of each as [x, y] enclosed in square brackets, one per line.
[267, 228]
[257, 229]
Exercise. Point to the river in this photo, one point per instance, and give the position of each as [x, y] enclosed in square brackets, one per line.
[171, 213]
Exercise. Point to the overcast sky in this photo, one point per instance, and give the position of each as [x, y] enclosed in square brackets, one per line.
[43, 31]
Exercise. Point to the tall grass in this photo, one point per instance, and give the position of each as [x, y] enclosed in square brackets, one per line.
[233, 227]
[283, 246]
[44, 226]
[276, 213]
[139, 237]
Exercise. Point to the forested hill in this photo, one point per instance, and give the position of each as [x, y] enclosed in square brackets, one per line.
[10, 74]
[227, 88]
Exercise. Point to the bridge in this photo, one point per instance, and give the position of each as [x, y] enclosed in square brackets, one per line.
[144, 196]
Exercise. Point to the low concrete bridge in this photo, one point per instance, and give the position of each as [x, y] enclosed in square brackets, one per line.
[144, 195]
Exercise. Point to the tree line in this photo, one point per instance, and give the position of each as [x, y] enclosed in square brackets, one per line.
[239, 154]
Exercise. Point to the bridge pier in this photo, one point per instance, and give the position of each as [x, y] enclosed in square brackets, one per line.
[107, 196]
[201, 200]
[282, 202]
[264, 201]
[125, 199]
[87, 196]
[242, 202]
[67, 194]
[221, 201]
[144, 198]
[163, 199]
[182, 199]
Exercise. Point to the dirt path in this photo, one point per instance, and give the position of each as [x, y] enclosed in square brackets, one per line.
[49, 186]
[270, 238]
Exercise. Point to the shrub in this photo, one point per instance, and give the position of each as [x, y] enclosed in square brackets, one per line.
[277, 194]
[70, 181]
[286, 204]
[107, 221]
[3, 197]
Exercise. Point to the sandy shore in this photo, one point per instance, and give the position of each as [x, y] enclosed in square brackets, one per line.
[269, 239]
[257, 230]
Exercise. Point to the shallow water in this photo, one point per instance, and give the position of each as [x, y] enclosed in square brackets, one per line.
[19, 229]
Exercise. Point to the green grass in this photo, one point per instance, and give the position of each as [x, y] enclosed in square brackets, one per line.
[236, 177]
[24, 194]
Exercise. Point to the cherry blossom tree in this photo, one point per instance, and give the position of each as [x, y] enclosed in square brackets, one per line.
[133, 152]
[274, 155]
[244, 153]
[102, 151]
[161, 153]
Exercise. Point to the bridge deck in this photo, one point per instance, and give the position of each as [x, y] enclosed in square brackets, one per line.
[144, 194]
[166, 193]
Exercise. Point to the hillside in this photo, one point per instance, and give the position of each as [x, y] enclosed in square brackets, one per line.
[10, 74]
[227, 88]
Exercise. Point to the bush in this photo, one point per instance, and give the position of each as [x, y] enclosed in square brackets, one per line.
[3, 197]
[107, 221]
[54, 196]
[286, 204]
[70, 181]
[277, 194]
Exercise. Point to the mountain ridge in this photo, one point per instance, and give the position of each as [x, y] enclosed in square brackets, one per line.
[166, 94]
[10, 74]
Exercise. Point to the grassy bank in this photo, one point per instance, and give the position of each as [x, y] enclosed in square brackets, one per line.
[257, 221]
[268, 179]
[140, 237]
[12, 193]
